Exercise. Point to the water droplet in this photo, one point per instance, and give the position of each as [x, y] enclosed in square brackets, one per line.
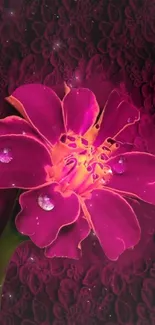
[45, 203]
[119, 166]
[5, 155]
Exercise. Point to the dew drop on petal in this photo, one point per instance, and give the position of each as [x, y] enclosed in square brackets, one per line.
[45, 202]
[119, 166]
[5, 155]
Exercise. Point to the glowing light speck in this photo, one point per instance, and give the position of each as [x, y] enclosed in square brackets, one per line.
[57, 45]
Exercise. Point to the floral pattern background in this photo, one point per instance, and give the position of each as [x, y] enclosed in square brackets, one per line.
[100, 45]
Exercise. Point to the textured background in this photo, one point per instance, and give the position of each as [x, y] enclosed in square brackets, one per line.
[97, 44]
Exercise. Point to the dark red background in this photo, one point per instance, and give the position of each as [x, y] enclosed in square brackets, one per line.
[97, 44]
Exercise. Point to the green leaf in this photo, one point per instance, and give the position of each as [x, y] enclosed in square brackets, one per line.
[9, 241]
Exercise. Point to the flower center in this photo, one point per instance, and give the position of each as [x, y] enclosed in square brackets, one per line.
[79, 166]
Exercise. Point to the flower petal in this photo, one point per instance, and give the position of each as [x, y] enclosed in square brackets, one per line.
[41, 107]
[117, 114]
[128, 140]
[16, 125]
[128, 134]
[80, 110]
[24, 162]
[137, 176]
[114, 222]
[69, 239]
[44, 212]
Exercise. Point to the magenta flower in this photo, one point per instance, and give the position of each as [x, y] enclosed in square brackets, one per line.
[77, 179]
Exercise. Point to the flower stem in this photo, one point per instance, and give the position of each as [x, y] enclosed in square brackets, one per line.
[9, 240]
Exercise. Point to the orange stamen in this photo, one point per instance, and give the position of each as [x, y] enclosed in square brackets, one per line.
[86, 213]
[59, 152]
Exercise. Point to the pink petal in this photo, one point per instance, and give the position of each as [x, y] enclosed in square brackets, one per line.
[128, 134]
[16, 125]
[68, 240]
[44, 212]
[80, 110]
[128, 140]
[114, 222]
[41, 107]
[24, 162]
[117, 114]
[134, 174]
